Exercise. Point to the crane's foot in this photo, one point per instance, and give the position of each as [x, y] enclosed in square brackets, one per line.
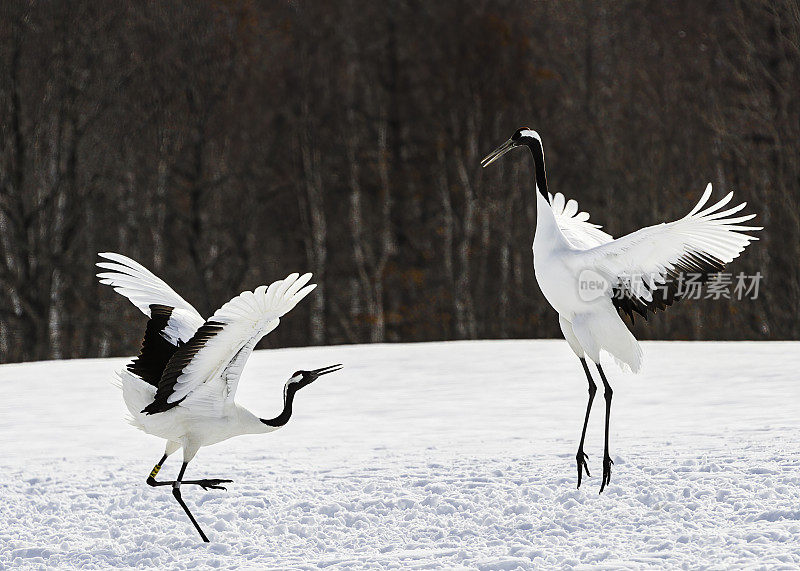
[607, 462]
[211, 483]
[581, 457]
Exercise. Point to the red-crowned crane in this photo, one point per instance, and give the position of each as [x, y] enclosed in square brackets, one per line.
[182, 385]
[589, 278]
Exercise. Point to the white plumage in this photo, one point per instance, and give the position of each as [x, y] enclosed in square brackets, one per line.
[588, 277]
[143, 289]
[205, 385]
[648, 256]
[569, 249]
[574, 225]
[245, 320]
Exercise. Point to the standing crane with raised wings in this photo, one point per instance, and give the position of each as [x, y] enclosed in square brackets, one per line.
[635, 271]
[182, 385]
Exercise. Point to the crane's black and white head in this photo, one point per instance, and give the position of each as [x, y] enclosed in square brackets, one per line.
[296, 382]
[524, 137]
[302, 379]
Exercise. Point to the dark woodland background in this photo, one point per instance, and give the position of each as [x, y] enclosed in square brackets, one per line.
[224, 144]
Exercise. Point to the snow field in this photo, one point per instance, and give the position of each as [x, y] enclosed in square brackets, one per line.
[442, 455]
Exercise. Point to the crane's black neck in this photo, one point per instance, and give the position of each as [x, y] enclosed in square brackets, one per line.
[535, 147]
[286, 413]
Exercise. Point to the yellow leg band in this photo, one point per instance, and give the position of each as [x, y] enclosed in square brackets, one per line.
[156, 468]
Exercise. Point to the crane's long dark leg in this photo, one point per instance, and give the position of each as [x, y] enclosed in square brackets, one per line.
[607, 462]
[176, 491]
[206, 484]
[581, 456]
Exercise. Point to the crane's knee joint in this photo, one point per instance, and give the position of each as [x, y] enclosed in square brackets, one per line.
[592, 389]
[151, 481]
[176, 491]
[609, 393]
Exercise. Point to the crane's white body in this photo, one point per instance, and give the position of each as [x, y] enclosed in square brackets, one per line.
[589, 325]
[182, 427]
[201, 377]
[566, 246]
[555, 264]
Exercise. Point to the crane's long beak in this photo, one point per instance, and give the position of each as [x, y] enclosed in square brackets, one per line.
[497, 153]
[326, 370]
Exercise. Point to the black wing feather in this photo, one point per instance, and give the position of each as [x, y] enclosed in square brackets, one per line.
[696, 262]
[174, 368]
[156, 350]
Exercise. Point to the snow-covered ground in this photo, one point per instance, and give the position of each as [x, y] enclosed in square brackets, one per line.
[442, 455]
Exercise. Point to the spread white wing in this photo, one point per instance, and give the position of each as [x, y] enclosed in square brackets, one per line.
[574, 225]
[144, 289]
[203, 374]
[702, 241]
